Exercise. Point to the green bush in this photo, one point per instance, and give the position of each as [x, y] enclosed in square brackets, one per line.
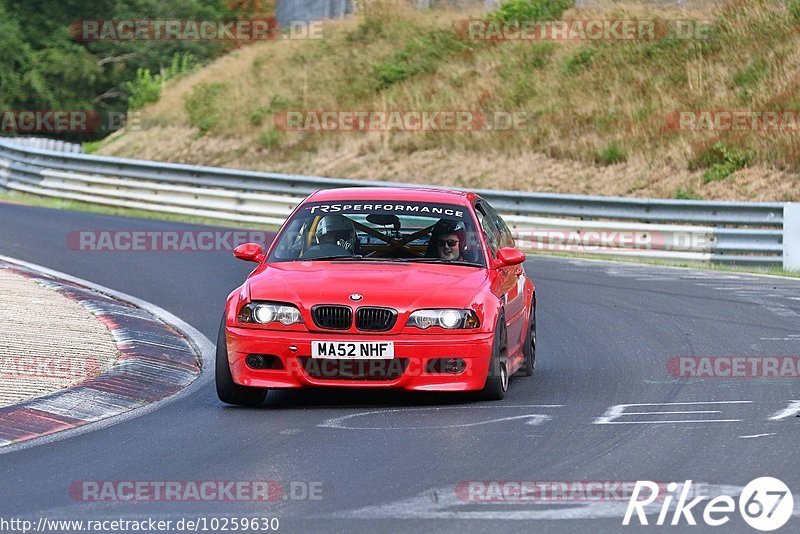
[751, 75]
[794, 10]
[145, 89]
[270, 138]
[723, 162]
[90, 147]
[579, 60]
[420, 55]
[257, 116]
[203, 105]
[531, 10]
[611, 155]
[747, 79]
[389, 74]
[707, 157]
[181, 65]
[687, 194]
[521, 91]
[538, 55]
[278, 103]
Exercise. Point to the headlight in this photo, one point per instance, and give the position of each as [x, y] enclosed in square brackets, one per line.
[449, 319]
[264, 313]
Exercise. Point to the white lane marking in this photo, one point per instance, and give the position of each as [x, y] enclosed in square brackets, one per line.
[676, 421]
[203, 346]
[533, 419]
[673, 413]
[617, 411]
[742, 289]
[792, 409]
[759, 435]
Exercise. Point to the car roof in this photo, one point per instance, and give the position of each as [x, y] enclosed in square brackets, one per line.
[415, 194]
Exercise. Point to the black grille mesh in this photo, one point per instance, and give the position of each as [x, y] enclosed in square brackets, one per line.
[332, 317]
[375, 319]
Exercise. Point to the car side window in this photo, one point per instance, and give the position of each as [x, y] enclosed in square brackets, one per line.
[506, 237]
[291, 247]
[490, 231]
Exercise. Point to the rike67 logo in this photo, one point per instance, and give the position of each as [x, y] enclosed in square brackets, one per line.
[765, 504]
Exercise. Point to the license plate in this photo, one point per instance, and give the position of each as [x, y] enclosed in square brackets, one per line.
[353, 350]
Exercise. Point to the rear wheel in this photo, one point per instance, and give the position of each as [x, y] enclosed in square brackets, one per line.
[497, 380]
[228, 391]
[529, 348]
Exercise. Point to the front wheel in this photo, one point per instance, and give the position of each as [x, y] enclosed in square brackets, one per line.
[228, 391]
[497, 379]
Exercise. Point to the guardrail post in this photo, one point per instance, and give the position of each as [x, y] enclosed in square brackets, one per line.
[791, 236]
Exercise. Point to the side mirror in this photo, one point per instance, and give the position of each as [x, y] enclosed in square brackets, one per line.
[506, 257]
[249, 252]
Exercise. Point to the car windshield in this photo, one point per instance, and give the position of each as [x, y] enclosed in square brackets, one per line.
[366, 230]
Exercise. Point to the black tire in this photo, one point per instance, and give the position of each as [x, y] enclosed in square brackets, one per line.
[529, 348]
[497, 379]
[228, 391]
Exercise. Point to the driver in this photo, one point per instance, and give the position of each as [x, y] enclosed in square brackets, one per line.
[336, 230]
[449, 238]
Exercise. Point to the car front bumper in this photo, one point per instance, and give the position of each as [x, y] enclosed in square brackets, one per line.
[412, 354]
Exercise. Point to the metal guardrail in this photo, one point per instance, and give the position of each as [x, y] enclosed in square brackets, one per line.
[44, 143]
[745, 233]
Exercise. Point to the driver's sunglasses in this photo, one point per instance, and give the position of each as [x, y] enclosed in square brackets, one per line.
[449, 242]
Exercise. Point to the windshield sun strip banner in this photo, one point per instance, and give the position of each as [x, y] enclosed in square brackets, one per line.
[397, 208]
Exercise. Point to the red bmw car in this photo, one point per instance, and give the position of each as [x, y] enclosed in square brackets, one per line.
[416, 289]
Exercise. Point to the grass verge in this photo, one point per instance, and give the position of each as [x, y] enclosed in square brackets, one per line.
[602, 110]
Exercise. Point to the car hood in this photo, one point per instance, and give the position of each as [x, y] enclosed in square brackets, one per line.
[402, 286]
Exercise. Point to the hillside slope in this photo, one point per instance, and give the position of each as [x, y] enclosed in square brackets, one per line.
[601, 114]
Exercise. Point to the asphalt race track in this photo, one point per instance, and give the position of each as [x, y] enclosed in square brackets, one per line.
[390, 462]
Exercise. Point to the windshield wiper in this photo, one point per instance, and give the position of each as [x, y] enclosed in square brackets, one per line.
[445, 262]
[392, 260]
[345, 257]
